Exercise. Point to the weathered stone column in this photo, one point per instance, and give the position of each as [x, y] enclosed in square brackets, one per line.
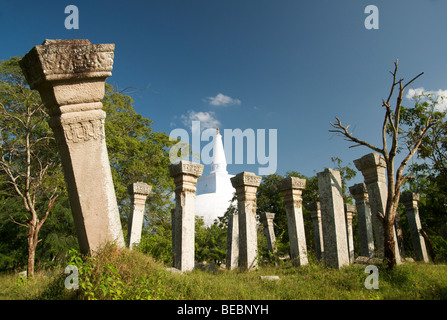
[232, 257]
[292, 189]
[315, 211]
[373, 169]
[246, 184]
[350, 211]
[267, 221]
[185, 176]
[366, 238]
[173, 242]
[410, 201]
[70, 76]
[138, 192]
[336, 252]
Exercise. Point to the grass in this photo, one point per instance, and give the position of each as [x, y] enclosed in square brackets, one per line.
[125, 274]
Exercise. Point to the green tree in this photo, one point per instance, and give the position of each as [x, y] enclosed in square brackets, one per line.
[29, 165]
[270, 199]
[429, 172]
[137, 153]
[210, 242]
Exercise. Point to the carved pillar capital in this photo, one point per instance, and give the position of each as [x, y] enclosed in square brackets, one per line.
[350, 210]
[185, 174]
[139, 188]
[373, 167]
[409, 199]
[359, 193]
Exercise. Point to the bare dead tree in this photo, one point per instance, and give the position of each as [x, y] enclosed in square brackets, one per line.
[395, 179]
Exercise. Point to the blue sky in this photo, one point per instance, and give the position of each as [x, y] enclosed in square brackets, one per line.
[286, 65]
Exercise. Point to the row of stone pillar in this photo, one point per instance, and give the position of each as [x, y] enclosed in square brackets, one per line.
[335, 225]
[370, 198]
[333, 231]
[70, 77]
[365, 225]
[242, 227]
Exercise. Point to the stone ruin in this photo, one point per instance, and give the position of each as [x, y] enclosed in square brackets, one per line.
[70, 77]
[292, 189]
[138, 192]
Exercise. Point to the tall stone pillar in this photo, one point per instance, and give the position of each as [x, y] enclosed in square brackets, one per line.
[267, 221]
[373, 168]
[410, 201]
[246, 184]
[366, 238]
[185, 174]
[336, 252]
[173, 242]
[315, 211]
[232, 257]
[138, 192]
[70, 76]
[292, 189]
[350, 211]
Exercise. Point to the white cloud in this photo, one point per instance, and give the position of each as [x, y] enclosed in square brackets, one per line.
[207, 119]
[222, 100]
[440, 96]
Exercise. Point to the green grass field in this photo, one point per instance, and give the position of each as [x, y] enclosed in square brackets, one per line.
[124, 274]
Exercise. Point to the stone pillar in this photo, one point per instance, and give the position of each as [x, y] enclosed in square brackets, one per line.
[350, 211]
[267, 221]
[232, 257]
[315, 211]
[70, 76]
[246, 184]
[185, 174]
[138, 192]
[336, 252]
[410, 201]
[173, 242]
[366, 238]
[292, 189]
[373, 168]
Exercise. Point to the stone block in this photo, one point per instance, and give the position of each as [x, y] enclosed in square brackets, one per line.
[336, 252]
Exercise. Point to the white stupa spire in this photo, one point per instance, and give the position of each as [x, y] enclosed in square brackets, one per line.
[214, 191]
[219, 163]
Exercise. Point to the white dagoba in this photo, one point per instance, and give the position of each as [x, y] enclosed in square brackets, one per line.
[214, 191]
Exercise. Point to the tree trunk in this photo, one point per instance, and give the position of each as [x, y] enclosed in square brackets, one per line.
[389, 245]
[32, 244]
[390, 214]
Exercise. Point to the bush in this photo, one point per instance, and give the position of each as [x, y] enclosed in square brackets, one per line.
[115, 274]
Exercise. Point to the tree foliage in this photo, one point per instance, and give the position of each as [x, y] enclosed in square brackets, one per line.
[428, 175]
[137, 153]
[30, 167]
